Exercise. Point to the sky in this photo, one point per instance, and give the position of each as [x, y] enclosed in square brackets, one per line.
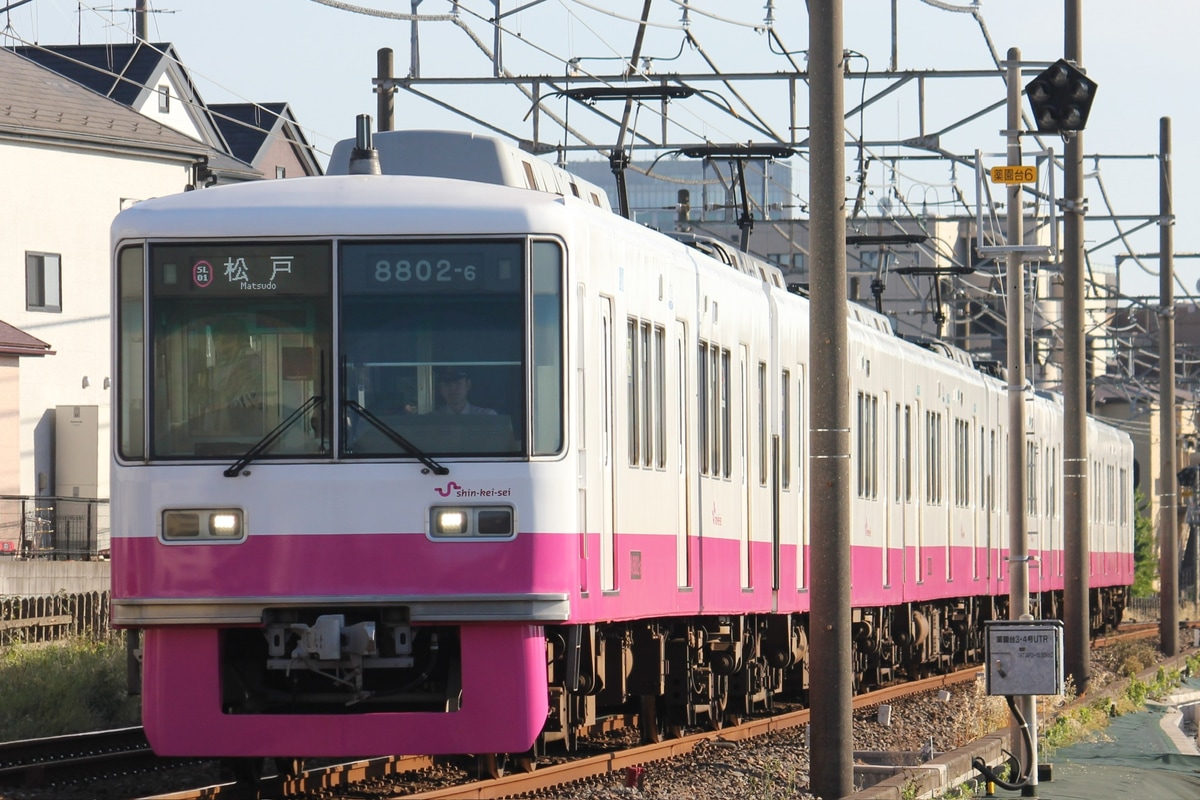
[320, 57]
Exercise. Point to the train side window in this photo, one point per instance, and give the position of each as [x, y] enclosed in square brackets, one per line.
[933, 458]
[131, 391]
[547, 380]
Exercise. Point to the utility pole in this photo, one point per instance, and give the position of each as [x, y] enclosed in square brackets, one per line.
[831, 770]
[1018, 538]
[1076, 546]
[384, 88]
[1168, 505]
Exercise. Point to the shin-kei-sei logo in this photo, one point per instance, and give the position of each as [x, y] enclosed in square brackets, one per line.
[452, 489]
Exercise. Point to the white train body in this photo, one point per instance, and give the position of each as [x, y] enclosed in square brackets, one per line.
[639, 531]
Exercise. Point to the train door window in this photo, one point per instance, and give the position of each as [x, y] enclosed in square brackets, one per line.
[716, 406]
[785, 430]
[1052, 483]
[455, 345]
[1031, 496]
[1123, 495]
[762, 423]
[633, 389]
[726, 415]
[660, 396]
[647, 400]
[801, 456]
[241, 335]
[908, 453]
[898, 446]
[1110, 492]
[702, 414]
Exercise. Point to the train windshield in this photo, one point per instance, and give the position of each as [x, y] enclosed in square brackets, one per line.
[434, 348]
[241, 343]
[443, 348]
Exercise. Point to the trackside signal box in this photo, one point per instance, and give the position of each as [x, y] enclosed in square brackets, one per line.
[1024, 657]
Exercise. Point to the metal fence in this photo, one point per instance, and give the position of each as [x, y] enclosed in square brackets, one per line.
[51, 617]
[1147, 609]
[62, 528]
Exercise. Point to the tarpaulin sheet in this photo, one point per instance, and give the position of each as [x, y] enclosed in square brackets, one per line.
[1132, 759]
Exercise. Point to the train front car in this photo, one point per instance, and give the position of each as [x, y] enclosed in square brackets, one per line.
[336, 395]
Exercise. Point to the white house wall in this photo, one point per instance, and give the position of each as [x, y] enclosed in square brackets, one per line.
[178, 116]
[59, 200]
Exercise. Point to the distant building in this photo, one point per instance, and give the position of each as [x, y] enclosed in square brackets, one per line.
[151, 80]
[15, 344]
[267, 137]
[102, 128]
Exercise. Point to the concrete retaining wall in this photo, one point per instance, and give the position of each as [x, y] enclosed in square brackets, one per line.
[41, 577]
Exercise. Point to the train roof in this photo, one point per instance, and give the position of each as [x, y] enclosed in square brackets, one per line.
[468, 157]
[351, 205]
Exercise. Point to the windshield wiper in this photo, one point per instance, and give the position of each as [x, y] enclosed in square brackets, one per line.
[254, 452]
[394, 435]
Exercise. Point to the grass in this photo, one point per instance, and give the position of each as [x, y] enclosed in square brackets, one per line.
[1083, 722]
[72, 686]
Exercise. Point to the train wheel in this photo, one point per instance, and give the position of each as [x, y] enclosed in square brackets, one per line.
[716, 713]
[491, 765]
[524, 762]
[247, 776]
[649, 720]
[289, 767]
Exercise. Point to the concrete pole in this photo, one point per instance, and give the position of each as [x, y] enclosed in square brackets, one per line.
[1076, 545]
[1168, 505]
[1018, 547]
[140, 27]
[831, 770]
[387, 95]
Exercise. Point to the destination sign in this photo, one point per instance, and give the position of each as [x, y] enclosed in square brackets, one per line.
[239, 269]
[432, 267]
[1019, 173]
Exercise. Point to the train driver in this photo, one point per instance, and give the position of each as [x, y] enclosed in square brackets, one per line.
[454, 386]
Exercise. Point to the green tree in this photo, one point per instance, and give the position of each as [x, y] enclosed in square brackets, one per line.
[1145, 557]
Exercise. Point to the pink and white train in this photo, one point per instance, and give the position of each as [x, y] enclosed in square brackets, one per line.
[325, 560]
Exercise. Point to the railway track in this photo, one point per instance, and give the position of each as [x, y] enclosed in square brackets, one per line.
[34, 762]
[76, 758]
[541, 778]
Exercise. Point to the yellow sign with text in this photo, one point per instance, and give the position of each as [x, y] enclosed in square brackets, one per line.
[1018, 174]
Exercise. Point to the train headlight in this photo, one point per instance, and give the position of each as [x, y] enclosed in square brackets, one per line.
[449, 522]
[201, 524]
[225, 524]
[465, 522]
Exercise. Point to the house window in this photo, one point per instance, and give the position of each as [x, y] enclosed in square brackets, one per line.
[164, 99]
[43, 282]
[281, 172]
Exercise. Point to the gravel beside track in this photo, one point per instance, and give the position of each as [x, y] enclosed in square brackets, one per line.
[774, 767]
